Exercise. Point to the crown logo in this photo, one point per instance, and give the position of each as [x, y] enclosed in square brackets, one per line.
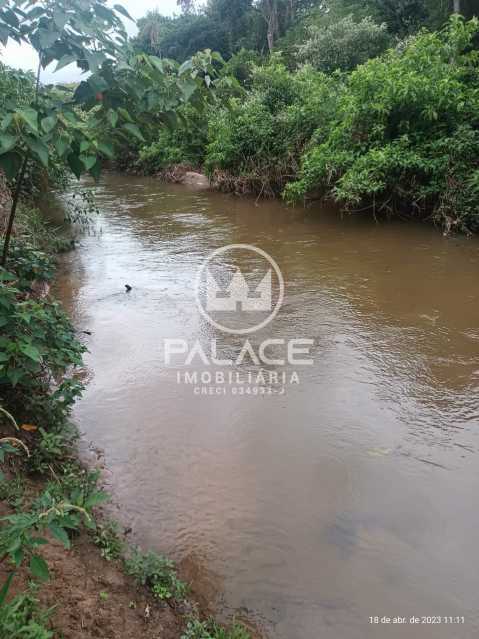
[237, 295]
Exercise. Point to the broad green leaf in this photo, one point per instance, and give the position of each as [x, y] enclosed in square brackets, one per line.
[35, 13]
[39, 568]
[157, 63]
[75, 164]
[124, 114]
[107, 149]
[112, 118]
[39, 149]
[47, 38]
[98, 84]
[7, 142]
[17, 557]
[88, 161]
[61, 146]
[97, 498]
[60, 534]
[95, 171]
[30, 117]
[5, 276]
[11, 163]
[186, 66]
[48, 123]
[6, 122]
[170, 118]
[84, 145]
[188, 88]
[10, 18]
[5, 588]
[95, 60]
[134, 130]
[65, 61]
[83, 93]
[123, 11]
[4, 34]
[31, 351]
[60, 18]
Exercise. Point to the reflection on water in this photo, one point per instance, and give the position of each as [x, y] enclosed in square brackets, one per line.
[352, 495]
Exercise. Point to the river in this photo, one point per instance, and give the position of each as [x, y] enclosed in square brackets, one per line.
[351, 495]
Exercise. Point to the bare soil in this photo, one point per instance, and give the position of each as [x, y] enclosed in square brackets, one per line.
[93, 598]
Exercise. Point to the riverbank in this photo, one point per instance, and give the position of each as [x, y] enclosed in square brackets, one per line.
[66, 570]
[87, 595]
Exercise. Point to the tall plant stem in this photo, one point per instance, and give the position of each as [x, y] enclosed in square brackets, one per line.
[13, 210]
[19, 181]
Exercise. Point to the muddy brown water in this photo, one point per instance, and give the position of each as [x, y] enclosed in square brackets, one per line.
[352, 495]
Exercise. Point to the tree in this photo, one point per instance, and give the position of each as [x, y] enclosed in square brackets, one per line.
[279, 15]
[344, 44]
[401, 16]
[80, 128]
[187, 6]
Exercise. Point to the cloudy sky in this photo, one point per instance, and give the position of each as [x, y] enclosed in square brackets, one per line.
[24, 57]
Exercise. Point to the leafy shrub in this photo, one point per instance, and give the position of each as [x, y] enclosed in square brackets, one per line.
[158, 573]
[241, 66]
[107, 538]
[22, 618]
[61, 510]
[52, 447]
[73, 485]
[36, 235]
[211, 630]
[182, 144]
[37, 349]
[406, 133]
[258, 140]
[344, 44]
[12, 489]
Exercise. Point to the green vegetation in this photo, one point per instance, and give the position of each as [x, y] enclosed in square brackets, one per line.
[40, 345]
[211, 630]
[123, 95]
[406, 136]
[255, 143]
[107, 538]
[372, 104]
[22, 618]
[156, 572]
[46, 134]
[344, 44]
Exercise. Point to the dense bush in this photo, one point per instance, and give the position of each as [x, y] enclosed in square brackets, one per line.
[259, 140]
[38, 347]
[344, 44]
[406, 132]
[211, 630]
[156, 572]
[182, 144]
[17, 89]
[22, 618]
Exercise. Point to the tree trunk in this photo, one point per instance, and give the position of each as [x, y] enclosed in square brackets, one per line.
[457, 6]
[272, 21]
[13, 210]
[19, 181]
